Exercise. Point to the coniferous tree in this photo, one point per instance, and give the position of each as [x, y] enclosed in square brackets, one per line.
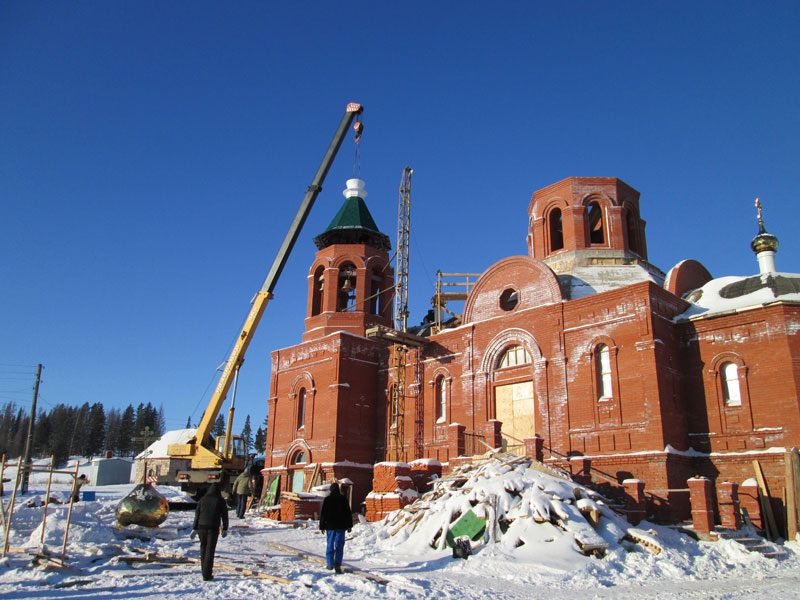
[160, 422]
[260, 441]
[62, 418]
[188, 423]
[247, 435]
[95, 430]
[113, 421]
[42, 435]
[126, 431]
[219, 426]
[78, 437]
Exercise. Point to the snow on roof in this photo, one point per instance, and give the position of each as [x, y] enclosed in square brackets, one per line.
[707, 300]
[586, 281]
[158, 449]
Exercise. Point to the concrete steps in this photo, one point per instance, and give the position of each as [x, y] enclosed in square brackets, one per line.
[750, 540]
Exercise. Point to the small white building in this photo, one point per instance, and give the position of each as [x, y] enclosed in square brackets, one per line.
[162, 469]
[109, 471]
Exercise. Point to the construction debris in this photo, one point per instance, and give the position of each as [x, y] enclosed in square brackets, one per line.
[512, 501]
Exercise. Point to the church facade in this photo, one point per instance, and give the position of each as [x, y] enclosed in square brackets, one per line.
[579, 352]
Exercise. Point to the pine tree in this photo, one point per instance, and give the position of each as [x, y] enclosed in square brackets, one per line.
[161, 422]
[113, 421]
[62, 418]
[126, 431]
[219, 426]
[95, 430]
[260, 441]
[189, 423]
[42, 436]
[247, 435]
[79, 419]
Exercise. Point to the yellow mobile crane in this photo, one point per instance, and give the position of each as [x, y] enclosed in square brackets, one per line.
[221, 462]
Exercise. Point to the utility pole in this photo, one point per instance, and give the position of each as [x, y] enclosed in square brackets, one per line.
[29, 443]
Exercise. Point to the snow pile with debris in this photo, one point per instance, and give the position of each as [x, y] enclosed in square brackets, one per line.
[516, 503]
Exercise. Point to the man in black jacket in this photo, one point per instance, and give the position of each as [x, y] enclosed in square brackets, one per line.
[335, 519]
[211, 511]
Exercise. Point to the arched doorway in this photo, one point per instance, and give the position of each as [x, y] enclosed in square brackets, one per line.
[514, 399]
[297, 476]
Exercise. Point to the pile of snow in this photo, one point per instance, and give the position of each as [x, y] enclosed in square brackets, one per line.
[517, 504]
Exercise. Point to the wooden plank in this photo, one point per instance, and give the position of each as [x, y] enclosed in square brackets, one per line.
[792, 493]
[314, 476]
[766, 502]
[216, 564]
[319, 559]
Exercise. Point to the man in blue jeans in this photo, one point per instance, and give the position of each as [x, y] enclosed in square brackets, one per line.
[335, 519]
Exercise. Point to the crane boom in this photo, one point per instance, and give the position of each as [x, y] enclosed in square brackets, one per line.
[198, 448]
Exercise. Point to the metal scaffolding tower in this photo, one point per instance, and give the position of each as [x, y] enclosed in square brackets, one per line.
[400, 351]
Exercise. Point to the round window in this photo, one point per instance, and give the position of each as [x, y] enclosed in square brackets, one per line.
[509, 299]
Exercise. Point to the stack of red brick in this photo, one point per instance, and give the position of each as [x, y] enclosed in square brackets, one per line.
[392, 489]
[423, 472]
[302, 509]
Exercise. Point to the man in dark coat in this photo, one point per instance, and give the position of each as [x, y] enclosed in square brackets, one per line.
[211, 511]
[335, 519]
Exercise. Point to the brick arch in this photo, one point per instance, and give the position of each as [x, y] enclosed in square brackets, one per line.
[602, 199]
[534, 281]
[596, 341]
[723, 357]
[294, 447]
[325, 263]
[301, 378]
[376, 262]
[355, 259]
[503, 341]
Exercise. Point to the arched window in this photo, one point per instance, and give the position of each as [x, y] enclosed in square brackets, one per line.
[441, 399]
[318, 285]
[516, 355]
[376, 294]
[602, 365]
[296, 473]
[556, 230]
[730, 384]
[347, 288]
[301, 408]
[595, 224]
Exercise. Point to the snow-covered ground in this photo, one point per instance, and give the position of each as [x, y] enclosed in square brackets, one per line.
[685, 568]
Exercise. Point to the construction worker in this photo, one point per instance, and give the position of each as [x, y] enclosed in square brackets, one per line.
[76, 487]
[243, 488]
[335, 519]
[211, 511]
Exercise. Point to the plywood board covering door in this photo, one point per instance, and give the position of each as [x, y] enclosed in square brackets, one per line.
[514, 408]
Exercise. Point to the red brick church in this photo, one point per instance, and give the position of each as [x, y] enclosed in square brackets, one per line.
[579, 352]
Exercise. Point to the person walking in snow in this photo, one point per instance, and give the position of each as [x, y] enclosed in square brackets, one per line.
[243, 489]
[211, 511]
[76, 487]
[335, 518]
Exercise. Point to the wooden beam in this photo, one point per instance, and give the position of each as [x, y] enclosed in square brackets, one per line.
[242, 570]
[792, 462]
[319, 559]
[392, 336]
[766, 502]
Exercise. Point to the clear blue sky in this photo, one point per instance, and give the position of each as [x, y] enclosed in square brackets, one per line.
[153, 154]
